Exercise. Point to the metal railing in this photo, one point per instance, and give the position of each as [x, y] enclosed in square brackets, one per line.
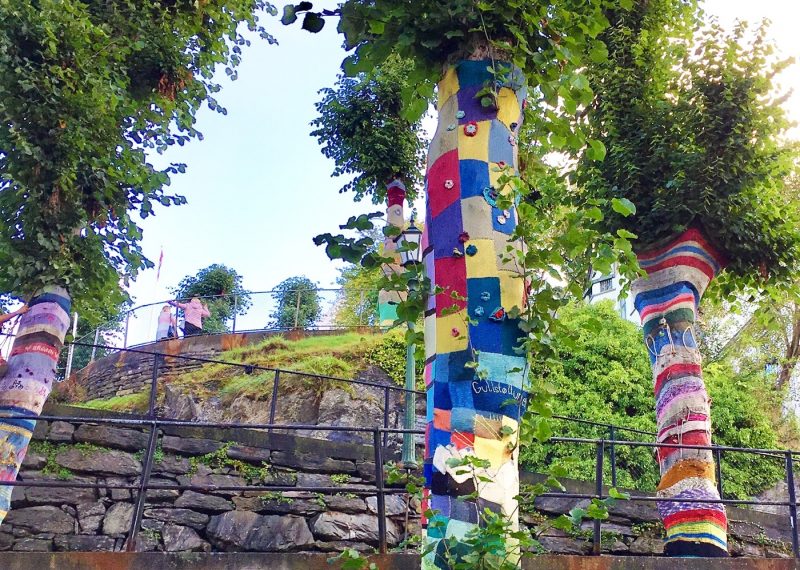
[379, 441]
[251, 311]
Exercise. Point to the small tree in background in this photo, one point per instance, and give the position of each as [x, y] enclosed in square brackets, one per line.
[358, 299]
[297, 304]
[220, 288]
[361, 128]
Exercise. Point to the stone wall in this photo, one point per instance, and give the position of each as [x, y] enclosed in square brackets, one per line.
[202, 518]
[206, 518]
[125, 372]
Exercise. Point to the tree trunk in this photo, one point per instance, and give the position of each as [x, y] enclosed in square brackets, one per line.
[792, 352]
[387, 300]
[466, 320]
[667, 301]
[29, 379]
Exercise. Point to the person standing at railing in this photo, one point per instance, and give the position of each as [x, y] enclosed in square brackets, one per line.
[167, 324]
[193, 313]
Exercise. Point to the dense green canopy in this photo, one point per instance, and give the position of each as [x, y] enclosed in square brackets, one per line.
[693, 132]
[86, 88]
[360, 127]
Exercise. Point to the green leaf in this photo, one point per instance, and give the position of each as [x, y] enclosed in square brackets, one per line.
[598, 53]
[623, 206]
[313, 22]
[616, 494]
[596, 150]
[289, 15]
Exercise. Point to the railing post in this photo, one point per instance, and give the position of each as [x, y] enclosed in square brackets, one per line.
[147, 467]
[151, 406]
[235, 310]
[792, 502]
[127, 324]
[96, 341]
[718, 469]
[598, 478]
[274, 402]
[71, 351]
[385, 414]
[381, 498]
[612, 435]
[297, 310]
[409, 448]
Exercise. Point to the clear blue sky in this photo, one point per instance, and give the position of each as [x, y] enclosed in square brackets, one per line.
[258, 187]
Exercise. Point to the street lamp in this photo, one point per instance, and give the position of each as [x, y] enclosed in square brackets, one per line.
[409, 244]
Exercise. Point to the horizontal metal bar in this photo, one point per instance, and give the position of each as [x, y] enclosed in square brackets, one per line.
[226, 488]
[601, 424]
[754, 451]
[221, 425]
[633, 498]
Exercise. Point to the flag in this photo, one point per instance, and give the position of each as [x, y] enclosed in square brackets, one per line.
[160, 261]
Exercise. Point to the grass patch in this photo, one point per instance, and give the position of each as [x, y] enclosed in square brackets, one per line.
[340, 356]
[137, 402]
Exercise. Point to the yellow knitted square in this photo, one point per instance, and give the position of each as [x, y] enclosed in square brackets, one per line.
[512, 286]
[483, 263]
[495, 450]
[474, 147]
[509, 111]
[448, 87]
[451, 333]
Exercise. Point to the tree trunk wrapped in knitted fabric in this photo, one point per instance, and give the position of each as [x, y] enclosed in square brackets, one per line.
[467, 316]
[29, 379]
[667, 301]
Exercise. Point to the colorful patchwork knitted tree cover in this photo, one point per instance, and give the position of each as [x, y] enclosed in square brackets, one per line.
[467, 319]
[29, 379]
[387, 300]
[667, 301]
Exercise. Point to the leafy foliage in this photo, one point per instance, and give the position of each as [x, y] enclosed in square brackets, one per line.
[86, 88]
[390, 355]
[298, 304]
[220, 288]
[357, 304]
[693, 132]
[602, 374]
[360, 128]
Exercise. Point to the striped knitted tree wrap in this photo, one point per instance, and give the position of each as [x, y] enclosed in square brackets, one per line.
[466, 235]
[29, 379]
[387, 300]
[667, 301]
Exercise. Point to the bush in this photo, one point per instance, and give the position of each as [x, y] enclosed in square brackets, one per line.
[390, 355]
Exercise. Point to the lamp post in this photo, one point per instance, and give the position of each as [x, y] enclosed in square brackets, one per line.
[409, 247]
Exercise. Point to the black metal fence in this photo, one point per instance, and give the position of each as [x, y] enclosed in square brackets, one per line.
[378, 441]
